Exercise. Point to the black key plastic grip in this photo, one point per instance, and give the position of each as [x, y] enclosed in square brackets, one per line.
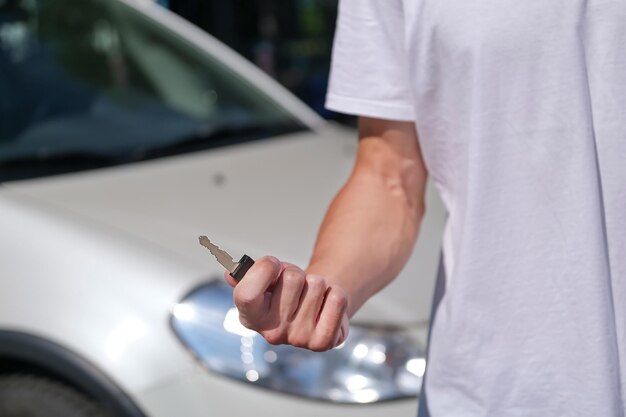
[242, 267]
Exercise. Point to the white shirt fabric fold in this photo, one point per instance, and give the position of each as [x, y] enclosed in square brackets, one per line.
[520, 107]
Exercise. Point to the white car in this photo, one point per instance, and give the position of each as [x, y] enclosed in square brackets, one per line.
[125, 133]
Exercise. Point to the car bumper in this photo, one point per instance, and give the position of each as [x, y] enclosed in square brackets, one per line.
[200, 394]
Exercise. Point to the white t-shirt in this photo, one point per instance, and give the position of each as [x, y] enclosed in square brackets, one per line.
[520, 107]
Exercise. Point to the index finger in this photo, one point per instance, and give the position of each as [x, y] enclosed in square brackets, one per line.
[250, 291]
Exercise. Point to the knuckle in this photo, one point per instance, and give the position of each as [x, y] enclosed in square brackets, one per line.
[267, 266]
[321, 345]
[338, 297]
[247, 323]
[301, 344]
[244, 299]
[298, 340]
[274, 338]
[316, 282]
[293, 277]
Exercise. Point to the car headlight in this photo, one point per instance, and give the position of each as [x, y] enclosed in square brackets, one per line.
[373, 364]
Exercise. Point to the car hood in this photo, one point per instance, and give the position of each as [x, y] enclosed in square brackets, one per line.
[258, 198]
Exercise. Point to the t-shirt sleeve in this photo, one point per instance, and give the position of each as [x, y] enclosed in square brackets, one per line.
[369, 73]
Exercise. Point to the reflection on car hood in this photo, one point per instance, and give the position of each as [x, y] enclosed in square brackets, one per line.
[260, 198]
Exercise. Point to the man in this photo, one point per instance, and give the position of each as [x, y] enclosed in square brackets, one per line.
[521, 114]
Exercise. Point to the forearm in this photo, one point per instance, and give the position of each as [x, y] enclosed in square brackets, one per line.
[365, 239]
[371, 226]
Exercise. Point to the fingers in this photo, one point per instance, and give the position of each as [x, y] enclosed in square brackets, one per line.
[287, 294]
[344, 330]
[311, 302]
[250, 293]
[331, 328]
[322, 320]
[287, 306]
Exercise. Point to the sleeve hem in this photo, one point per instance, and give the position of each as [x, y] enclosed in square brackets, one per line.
[360, 107]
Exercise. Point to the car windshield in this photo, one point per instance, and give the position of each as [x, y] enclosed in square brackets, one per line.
[92, 83]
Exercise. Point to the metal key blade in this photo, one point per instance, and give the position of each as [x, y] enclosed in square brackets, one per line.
[222, 256]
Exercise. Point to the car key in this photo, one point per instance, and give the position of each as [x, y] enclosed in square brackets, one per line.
[237, 269]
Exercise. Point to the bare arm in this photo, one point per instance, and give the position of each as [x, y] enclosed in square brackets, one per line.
[365, 240]
[370, 228]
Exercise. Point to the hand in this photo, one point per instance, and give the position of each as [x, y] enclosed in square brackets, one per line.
[287, 306]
